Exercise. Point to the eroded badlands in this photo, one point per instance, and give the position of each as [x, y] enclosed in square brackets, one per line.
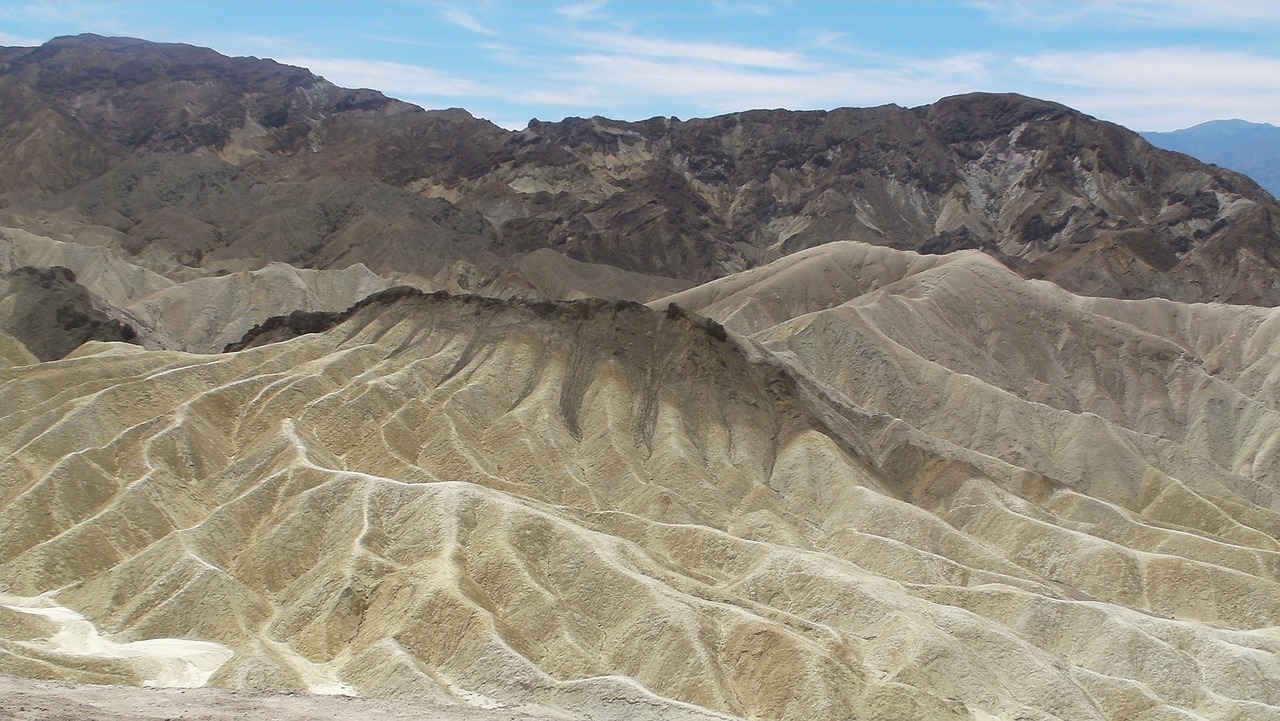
[897, 486]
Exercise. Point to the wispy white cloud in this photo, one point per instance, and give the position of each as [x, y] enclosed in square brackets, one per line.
[582, 10]
[18, 41]
[620, 72]
[1153, 89]
[96, 17]
[737, 6]
[507, 53]
[628, 60]
[466, 20]
[579, 97]
[974, 68]
[55, 12]
[1158, 88]
[1157, 68]
[134, 20]
[626, 44]
[411, 82]
[263, 46]
[503, 122]
[715, 88]
[828, 39]
[1200, 14]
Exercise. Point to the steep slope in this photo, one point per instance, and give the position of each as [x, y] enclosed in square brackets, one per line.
[201, 310]
[209, 159]
[199, 315]
[51, 314]
[547, 274]
[804, 282]
[1043, 187]
[630, 513]
[13, 352]
[965, 337]
[175, 137]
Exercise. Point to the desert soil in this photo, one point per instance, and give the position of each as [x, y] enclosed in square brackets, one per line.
[28, 700]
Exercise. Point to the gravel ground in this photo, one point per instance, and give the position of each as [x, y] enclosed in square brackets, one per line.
[28, 700]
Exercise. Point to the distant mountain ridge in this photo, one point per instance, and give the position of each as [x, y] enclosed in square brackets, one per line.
[232, 163]
[1242, 146]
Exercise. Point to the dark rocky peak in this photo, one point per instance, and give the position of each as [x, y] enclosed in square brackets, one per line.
[9, 54]
[172, 97]
[583, 135]
[453, 115]
[982, 116]
[441, 146]
[67, 66]
[300, 168]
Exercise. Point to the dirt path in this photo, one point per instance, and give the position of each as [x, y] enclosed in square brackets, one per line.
[27, 700]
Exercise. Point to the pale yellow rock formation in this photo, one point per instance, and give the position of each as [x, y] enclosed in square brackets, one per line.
[201, 311]
[914, 487]
[201, 314]
[13, 352]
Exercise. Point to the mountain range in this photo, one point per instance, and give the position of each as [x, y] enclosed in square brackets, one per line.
[968, 411]
[231, 163]
[1249, 148]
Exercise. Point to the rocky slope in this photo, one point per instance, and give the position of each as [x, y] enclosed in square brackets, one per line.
[931, 490]
[211, 160]
[174, 307]
[51, 314]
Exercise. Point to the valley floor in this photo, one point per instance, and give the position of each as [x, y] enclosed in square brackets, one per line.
[28, 700]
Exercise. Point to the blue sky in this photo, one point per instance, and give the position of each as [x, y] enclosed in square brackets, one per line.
[1147, 64]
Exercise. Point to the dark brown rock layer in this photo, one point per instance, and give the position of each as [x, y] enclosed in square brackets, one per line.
[52, 314]
[216, 159]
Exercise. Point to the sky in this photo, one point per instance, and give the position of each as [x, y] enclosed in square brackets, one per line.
[1146, 64]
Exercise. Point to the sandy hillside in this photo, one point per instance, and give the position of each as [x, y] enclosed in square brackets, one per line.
[201, 310]
[896, 487]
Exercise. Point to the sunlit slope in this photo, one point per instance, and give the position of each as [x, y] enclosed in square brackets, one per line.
[13, 352]
[201, 310]
[1164, 410]
[199, 314]
[625, 512]
[803, 282]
